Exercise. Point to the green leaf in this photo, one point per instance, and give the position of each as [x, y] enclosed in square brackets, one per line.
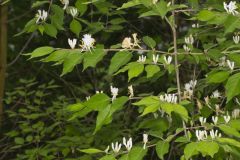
[42, 51]
[130, 4]
[217, 76]
[233, 86]
[102, 116]
[229, 141]
[57, 56]
[147, 101]
[149, 41]
[92, 58]
[19, 140]
[75, 107]
[117, 104]
[75, 27]
[162, 148]
[57, 18]
[91, 151]
[205, 15]
[135, 69]
[161, 8]
[73, 58]
[108, 157]
[180, 110]
[50, 30]
[231, 24]
[118, 60]
[81, 6]
[98, 102]
[39, 3]
[229, 130]
[203, 147]
[151, 70]
[136, 153]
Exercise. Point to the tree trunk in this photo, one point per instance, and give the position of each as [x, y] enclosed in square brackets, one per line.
[3, 54]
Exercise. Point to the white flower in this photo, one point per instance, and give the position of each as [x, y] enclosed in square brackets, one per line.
[127, 43]
[236, 39]
[141, 59]
[189, 40]
[168, 59]
[155, 58]
[215, 120]
[41, 15]
[231, 7]
[226, 118]
[201, 135]
[236, 113]
[130, 91]
[222, 62]
[169, 4]
[216, 94]
[73, 12]
[98, 92]
[114, 92]
[230, 65]
[72, 43]
[189, 87]
[195, 25]
[116, 148]
[136, 41]
[170, 98]
[145, 140]
[154, 1]
[87, 42]
[87, 98]
[202, 120]
[186, 48]
[107, 149]
[65, 3]
[127, 144]
[215, 134]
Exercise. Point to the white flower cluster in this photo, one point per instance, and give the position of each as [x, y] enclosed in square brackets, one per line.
[189, 42]
[216, 94]
[141, 59]
[116, 147]
[127, 43]
[167, 60]
[114, 92]
[231, 65]
[87, 42]
[65, 3]
[73, 11]
[41, 15]
[236, 113]
[155, 58]
[226, 63]
[130, 91]
[202, 120]
[203, 135]
[189, 88]
[170, 98]
[231, 7]
[236, 39]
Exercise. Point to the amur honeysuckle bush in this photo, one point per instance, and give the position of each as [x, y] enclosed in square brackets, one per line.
[193, 113]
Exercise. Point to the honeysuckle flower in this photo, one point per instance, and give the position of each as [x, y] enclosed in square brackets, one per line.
[189, 87]
[195, 25]
[107, 149]
[186, 48]
[154, 1]
[145, 140]
[127, 144]
[73, 11]
[226, 118]
[87, 98]
[155, 58]
[214, 120]
[236, 39]
[217, 108]
[136, 41]
[236, 113]
[231, 7]
[202, 120]
[127, 43]
[72, 42]
[141, 59]
[41, 15]
[169, 4]
[168, 59]
[216, 94]
[116, 147]
[130, 91]
[189, 39]
[114, 92]
[222, 62]
[230, 65]
[98, 92]
[214, 134]
[65, 3]
[170, 98]
[201, 135]
[87, 42]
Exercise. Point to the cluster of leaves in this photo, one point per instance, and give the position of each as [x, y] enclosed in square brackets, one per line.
[171, 126]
